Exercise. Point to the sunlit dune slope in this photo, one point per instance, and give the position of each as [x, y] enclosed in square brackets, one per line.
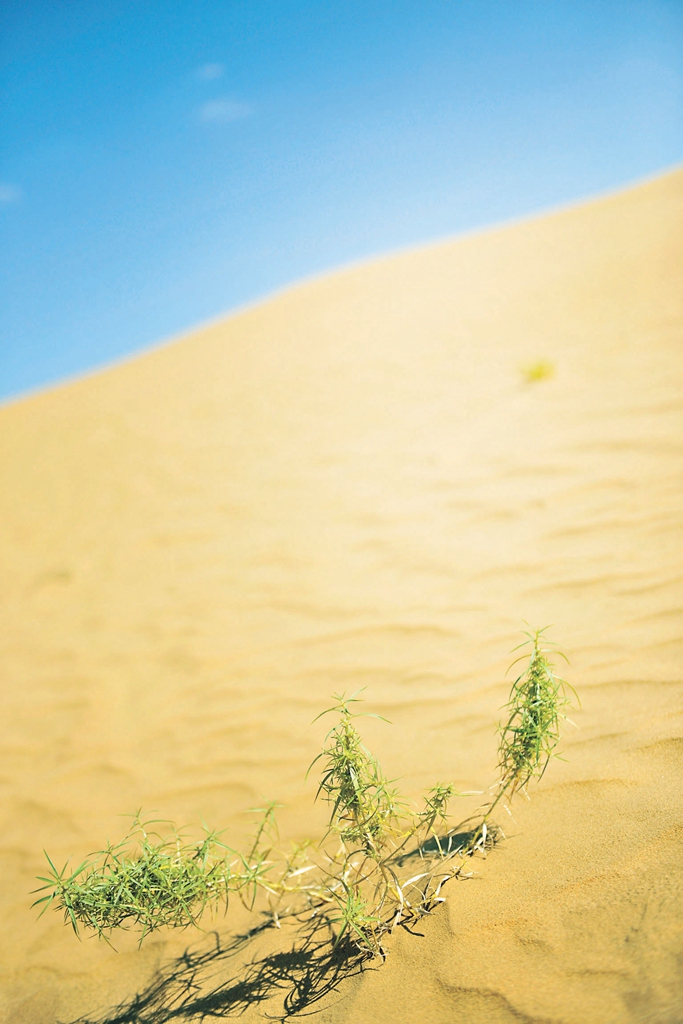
[354, 485]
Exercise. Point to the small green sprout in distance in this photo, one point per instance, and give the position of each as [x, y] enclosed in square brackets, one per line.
[541, 369]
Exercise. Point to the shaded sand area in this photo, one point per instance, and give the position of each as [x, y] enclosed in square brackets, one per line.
[351, 485]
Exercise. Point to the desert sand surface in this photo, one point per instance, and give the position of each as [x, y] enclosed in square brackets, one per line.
[353, 485]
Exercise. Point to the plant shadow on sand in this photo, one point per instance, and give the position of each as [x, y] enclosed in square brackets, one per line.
[200, 985]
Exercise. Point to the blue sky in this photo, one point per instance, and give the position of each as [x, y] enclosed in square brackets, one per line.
[162, 162]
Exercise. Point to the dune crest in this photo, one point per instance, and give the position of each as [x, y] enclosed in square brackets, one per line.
[361, 483]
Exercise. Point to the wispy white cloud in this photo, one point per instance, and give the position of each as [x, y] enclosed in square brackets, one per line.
[210, 72]
[9, 193]
[224, 110]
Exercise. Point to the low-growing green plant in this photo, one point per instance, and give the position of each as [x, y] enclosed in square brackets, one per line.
[153, 879]
[146, 879]
[354, 878]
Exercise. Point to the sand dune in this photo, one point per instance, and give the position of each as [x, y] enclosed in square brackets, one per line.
[353, 485]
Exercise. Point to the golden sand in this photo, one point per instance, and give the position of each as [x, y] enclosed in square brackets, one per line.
[355, 484]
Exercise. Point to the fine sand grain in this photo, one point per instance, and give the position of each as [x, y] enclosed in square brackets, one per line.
[356, 484]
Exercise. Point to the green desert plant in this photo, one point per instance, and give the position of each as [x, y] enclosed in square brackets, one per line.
[354, 878]
[365, 809]
[146, 879]
[529, 737]
[360, 878]
[355, 919]
[151, 880]
[536, 707]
